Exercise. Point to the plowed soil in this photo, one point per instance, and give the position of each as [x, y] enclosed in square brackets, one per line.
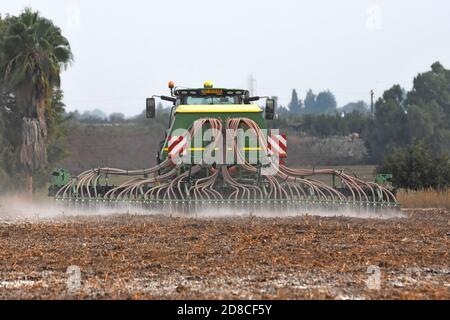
[161, 257]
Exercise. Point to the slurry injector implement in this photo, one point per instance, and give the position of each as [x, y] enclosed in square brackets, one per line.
[218, 153]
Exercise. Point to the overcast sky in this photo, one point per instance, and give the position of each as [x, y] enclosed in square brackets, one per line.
[126, 51]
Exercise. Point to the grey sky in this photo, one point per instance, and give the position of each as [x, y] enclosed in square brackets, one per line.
[128, 50]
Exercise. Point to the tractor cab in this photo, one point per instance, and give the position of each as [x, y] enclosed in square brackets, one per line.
[190, 105]
[211, 96]
[211, 100]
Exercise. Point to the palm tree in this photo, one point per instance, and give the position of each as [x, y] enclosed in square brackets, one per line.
[33, 54]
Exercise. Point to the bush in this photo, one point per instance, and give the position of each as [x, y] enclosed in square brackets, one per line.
[415, 168]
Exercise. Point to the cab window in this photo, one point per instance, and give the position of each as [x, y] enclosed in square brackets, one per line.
[209, 100]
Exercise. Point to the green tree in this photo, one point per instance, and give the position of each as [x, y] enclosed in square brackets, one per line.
[57, 129]
[423, 113]
[34, 52]
[325, 102]
[423, 122]
[388, 129]
[428, 106]
[296, 105]
[432, 86]
[310, 101]
[415, 167]
[116, 117]
[57, 136]
[359, 106]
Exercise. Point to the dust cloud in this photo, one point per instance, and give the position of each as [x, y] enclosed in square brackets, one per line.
[16, 208]
[361, 214]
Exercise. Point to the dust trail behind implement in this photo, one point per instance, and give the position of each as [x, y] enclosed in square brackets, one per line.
[19, 209]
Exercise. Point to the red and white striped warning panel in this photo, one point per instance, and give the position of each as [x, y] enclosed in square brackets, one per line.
[277, 144]
[177, 146]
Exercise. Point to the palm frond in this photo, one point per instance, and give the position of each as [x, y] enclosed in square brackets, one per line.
[34, 52]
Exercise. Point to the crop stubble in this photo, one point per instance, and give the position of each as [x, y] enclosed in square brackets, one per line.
[158, 257]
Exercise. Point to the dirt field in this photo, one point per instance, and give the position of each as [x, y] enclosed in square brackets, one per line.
[156, 257]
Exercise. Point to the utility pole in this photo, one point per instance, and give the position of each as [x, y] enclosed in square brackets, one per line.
[372, 94]
[252, 85]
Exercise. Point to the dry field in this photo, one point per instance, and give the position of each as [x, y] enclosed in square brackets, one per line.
[161, 257]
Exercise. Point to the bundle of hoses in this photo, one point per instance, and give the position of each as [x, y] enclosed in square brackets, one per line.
[166, 186]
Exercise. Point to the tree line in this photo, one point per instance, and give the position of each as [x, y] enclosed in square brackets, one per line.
[400, 117]
[322, 103]
[404, 123]
[99, 117]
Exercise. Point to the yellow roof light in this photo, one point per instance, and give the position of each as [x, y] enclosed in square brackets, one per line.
[208, 84]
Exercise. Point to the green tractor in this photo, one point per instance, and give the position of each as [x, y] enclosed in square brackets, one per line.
[218, 153]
